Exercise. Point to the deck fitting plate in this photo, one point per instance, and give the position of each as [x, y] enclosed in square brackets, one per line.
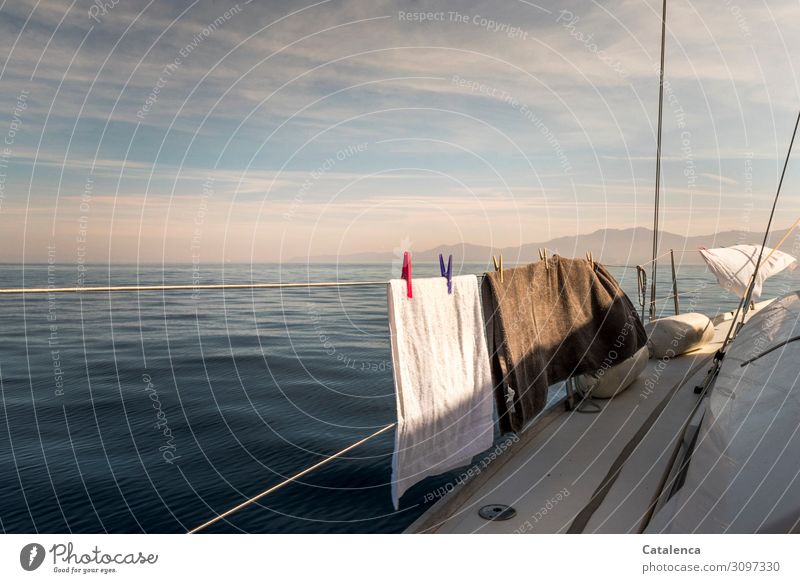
[497, 512]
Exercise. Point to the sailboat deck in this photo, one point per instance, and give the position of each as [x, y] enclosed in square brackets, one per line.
[552, 471]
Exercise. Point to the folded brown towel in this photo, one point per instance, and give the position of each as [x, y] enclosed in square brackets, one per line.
[546, 325]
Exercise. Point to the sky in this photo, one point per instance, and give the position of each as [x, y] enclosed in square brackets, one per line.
[208, 131]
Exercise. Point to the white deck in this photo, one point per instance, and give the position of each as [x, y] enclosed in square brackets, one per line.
[571, 452]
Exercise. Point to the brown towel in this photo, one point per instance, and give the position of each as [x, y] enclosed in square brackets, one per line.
[546, 325]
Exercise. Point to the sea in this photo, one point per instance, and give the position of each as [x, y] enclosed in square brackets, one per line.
[152, 412]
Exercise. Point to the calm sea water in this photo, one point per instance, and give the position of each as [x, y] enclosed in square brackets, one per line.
[151, 412]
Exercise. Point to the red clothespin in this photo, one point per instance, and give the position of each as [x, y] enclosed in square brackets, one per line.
[407, 272]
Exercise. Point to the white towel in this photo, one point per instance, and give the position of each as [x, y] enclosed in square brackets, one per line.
[441, 376]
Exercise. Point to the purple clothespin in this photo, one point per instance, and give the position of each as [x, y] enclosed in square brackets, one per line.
[448, 273]
[406, 273]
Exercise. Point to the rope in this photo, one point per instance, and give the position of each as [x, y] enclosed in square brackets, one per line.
[287, 481]
[649, 262]
[140, 288]
[657, 197]
[783, 240]
[199, 286]
[744, 305]
[189, 287]
[771, 216]
[641, 282]
[784, 343]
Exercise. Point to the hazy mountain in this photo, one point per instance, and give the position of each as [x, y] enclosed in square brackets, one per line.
[610, 246]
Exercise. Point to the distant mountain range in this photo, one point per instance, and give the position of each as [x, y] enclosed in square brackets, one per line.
[609, 246]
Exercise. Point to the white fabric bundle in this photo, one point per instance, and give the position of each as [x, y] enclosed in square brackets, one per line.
[734, 266]
[609, 382]
[675, 335]
[442, 378]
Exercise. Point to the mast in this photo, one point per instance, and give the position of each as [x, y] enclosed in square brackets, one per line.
[658, 163]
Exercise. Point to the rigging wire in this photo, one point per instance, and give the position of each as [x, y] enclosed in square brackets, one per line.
[657, 196]
[771, 216]
[289, 480]
[188, 287]
[652, 260]
[205, 286]
[744, 304]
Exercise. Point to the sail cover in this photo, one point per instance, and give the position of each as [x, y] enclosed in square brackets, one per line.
[743, 476]
[734, 266]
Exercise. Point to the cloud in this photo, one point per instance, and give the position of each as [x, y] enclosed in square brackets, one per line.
[542, 113]
[720, 179]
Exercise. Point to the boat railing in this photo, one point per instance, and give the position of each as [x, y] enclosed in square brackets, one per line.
[641, 282]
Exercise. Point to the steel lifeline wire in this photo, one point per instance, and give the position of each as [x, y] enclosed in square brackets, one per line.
[189, 287]
[289, 480]
[186, 287]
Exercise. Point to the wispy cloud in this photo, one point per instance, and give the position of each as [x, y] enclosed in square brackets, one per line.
[720, 179]
[367, 119]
